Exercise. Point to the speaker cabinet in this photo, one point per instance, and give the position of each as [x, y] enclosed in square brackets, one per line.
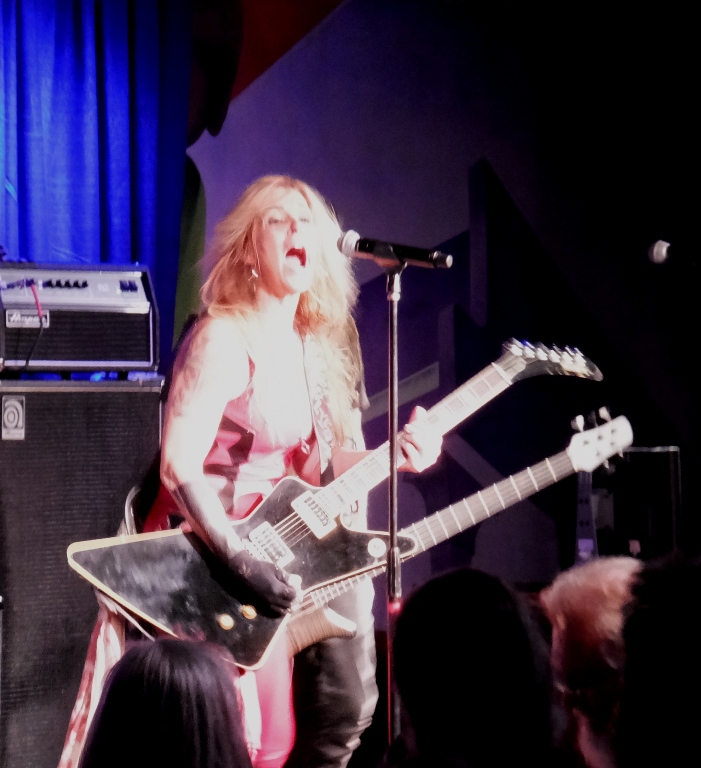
[69, 453]
[647, 500]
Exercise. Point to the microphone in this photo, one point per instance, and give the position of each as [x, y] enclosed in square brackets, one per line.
[658, 252]
[351, 244]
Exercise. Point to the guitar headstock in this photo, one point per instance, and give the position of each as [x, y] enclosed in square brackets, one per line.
[593, 447]
[520, 360]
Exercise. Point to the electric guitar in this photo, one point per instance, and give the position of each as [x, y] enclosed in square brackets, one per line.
[313, 620]
[173, 582]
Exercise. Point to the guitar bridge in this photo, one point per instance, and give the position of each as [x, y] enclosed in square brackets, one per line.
[267, 545]
[314, 515]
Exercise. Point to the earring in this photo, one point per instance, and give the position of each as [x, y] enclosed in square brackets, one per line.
[253, 276]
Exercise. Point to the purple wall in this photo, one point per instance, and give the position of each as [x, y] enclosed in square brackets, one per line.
[383, 108]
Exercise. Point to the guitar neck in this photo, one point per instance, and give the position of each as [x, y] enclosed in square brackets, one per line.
[474, 509]
[445, 415]
[460, 516]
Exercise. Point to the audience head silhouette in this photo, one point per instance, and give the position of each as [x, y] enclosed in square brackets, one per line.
[585, 608]
[660, 706]
[473, 673]
[168, 702]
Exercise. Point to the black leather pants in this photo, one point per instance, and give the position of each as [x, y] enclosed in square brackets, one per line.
[335, 691]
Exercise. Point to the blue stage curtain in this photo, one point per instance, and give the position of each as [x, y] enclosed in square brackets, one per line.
[93, 133]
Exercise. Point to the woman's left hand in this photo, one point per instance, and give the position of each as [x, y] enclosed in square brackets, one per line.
[420, 442]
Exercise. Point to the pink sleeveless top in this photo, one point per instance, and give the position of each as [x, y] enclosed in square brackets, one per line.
[251, 453]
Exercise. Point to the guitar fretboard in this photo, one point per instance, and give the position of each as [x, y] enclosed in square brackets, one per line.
[457, 517]
[445, 415]
[474, 509]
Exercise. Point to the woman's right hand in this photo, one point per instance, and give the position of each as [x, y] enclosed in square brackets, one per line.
[266, 585]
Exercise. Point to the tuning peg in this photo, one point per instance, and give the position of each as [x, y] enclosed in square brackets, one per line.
[604, 414]
[514, 346]
[555, 354]
[578, 423]
[574, 354]
[567, 359]
[541, 352]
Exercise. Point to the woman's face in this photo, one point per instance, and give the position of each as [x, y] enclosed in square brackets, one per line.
[287, 245]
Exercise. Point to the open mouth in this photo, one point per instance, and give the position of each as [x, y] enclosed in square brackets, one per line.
[298, 253]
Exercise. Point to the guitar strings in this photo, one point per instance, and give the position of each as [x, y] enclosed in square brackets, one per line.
[293, 529]
[443, 522]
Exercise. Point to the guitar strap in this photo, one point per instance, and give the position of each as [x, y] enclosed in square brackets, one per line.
[355, 515]
[319, 401]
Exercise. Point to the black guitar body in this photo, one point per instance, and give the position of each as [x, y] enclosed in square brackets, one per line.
[171, 579]
[316, 561]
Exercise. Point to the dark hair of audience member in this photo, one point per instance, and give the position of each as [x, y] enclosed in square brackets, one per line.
[585, 606]
[171, 703]
[661, 706]
[473, 673]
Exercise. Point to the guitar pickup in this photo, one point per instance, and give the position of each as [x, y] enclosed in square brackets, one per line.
[314, 515]
[269, 546]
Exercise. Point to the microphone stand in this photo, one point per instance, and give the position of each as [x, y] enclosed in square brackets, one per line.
[394, 570]
[393, 259]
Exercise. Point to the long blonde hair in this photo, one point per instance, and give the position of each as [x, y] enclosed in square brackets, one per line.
[324, 310]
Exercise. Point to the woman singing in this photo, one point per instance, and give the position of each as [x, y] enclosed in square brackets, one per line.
[267, 383]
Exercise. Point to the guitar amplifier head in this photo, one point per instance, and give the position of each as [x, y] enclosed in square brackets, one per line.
[77, 318]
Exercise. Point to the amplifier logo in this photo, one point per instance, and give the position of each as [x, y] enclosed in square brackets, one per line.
[25, 318]
[13, 417]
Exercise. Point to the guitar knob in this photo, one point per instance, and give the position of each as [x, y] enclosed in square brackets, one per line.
[377, 548]
[225, 621]
[248, 612]
[578, 423]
